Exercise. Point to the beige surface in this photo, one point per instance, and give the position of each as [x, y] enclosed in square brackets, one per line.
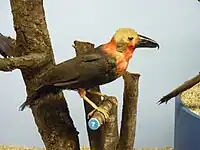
[191, 98]
[4, 147]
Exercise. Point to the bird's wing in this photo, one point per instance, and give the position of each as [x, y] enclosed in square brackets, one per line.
[83, 71]
[79, 69]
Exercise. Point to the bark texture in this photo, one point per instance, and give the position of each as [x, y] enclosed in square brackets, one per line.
[111, 125]
[34, 56]
[129, 112]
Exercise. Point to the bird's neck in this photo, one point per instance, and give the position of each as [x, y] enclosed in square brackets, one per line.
[121, 53]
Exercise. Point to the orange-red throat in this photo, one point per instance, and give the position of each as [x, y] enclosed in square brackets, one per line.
[122, 56]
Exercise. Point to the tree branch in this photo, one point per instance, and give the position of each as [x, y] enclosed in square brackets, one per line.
[111, 125]
[187, 85]
[30, 61]
[129, 112]
[107, 104]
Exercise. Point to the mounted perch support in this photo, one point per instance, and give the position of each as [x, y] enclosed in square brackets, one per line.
[98, 118]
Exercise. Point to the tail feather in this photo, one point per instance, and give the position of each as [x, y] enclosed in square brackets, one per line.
[38, 94]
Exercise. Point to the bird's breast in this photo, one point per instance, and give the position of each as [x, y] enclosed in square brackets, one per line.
[122, 64]
[123, 60]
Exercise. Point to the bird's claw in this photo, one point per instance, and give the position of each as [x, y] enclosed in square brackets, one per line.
[103, 111]
[104, 97]
[97, 93]
[114, 101]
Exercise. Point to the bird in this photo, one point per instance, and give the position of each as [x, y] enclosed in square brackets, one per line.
[5, 46]
[108, 62]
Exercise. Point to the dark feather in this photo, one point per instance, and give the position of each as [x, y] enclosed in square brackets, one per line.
[6, 49]
[84, 71]
[40, 92]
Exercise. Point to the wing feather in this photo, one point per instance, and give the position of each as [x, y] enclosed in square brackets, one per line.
[81, 71]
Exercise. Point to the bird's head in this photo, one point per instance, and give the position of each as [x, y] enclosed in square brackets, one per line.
[123, 44]
[127, 37]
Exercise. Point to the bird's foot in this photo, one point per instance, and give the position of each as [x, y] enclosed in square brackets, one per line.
[103, 111]
[96, 108]
[114, 101]
[102, 95]
[97, 93]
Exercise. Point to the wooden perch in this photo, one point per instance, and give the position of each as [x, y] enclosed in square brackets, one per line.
[188, 84]
[95, 137]
[111, 125]
[129, 112]
[107, 104]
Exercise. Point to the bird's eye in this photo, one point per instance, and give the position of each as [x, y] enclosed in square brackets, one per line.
[130, 38]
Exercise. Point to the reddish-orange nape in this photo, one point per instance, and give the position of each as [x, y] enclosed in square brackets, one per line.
[110, 48]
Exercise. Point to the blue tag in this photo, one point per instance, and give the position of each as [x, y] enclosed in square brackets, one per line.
[93, 124]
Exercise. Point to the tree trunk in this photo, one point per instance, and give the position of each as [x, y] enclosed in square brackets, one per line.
[51, 112]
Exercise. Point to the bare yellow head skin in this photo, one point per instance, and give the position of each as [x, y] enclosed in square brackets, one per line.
[127, 36]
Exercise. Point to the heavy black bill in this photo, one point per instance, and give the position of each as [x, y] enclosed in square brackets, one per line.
[145, 42]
